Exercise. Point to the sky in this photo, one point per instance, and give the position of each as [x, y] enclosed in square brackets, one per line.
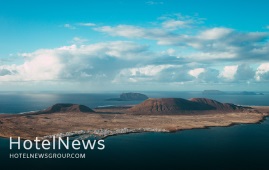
[142, 45]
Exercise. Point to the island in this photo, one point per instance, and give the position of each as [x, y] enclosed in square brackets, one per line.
[213, 92]
[218, 92]
[249, 93]
[130, 97]
[151, 115]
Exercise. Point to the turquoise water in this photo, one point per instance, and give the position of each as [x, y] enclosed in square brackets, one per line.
[236, 147]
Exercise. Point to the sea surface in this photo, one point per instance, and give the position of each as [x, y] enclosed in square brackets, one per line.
[243, 146]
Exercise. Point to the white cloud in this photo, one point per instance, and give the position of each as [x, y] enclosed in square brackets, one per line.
[183, 53]
[171, 51]
[200, 56]
[87, 24]
[149, 70]
[69, 26]
[244, 73]
[164, 73]
[141, 74]
[7, 70]
[175, 24]
[130, 31]
[214, 33]
[78, 40]
[154, 3]
[123, 30]
[229, 72]
[196, 72]
[45, 66]
[262, 72]
[209, 75]
[76, 62]
[218, 43]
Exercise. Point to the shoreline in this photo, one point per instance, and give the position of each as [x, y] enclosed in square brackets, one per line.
[69, 124]
[97, 133]
[123, 131]
[164, 130]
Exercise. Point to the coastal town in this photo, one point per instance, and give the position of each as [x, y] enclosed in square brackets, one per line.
[101, 133]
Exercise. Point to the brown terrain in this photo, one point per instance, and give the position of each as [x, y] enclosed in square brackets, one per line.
[183, 106]
[170, 114]
[66, 108]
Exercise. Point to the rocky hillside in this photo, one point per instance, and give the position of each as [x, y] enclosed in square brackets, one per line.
[179, 105]
[217, 105]
[63, 107]
[168, 105]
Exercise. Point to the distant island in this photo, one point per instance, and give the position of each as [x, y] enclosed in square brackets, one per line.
[218, 92]
[152, 115]
[130, 97]
[213, 92]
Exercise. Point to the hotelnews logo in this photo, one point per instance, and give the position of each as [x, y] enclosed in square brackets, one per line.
[48, 148]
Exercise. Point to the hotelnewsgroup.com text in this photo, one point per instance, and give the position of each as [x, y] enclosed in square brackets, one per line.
[20, 148]
[47, 155]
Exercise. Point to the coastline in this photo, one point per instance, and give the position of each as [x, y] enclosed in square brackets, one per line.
[139, 130]
[102, 133]
[44, 126]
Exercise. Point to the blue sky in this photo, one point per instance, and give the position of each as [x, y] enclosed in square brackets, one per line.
[134, 45]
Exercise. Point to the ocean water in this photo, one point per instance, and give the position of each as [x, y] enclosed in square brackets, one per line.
[15, 102]
[236, 147]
